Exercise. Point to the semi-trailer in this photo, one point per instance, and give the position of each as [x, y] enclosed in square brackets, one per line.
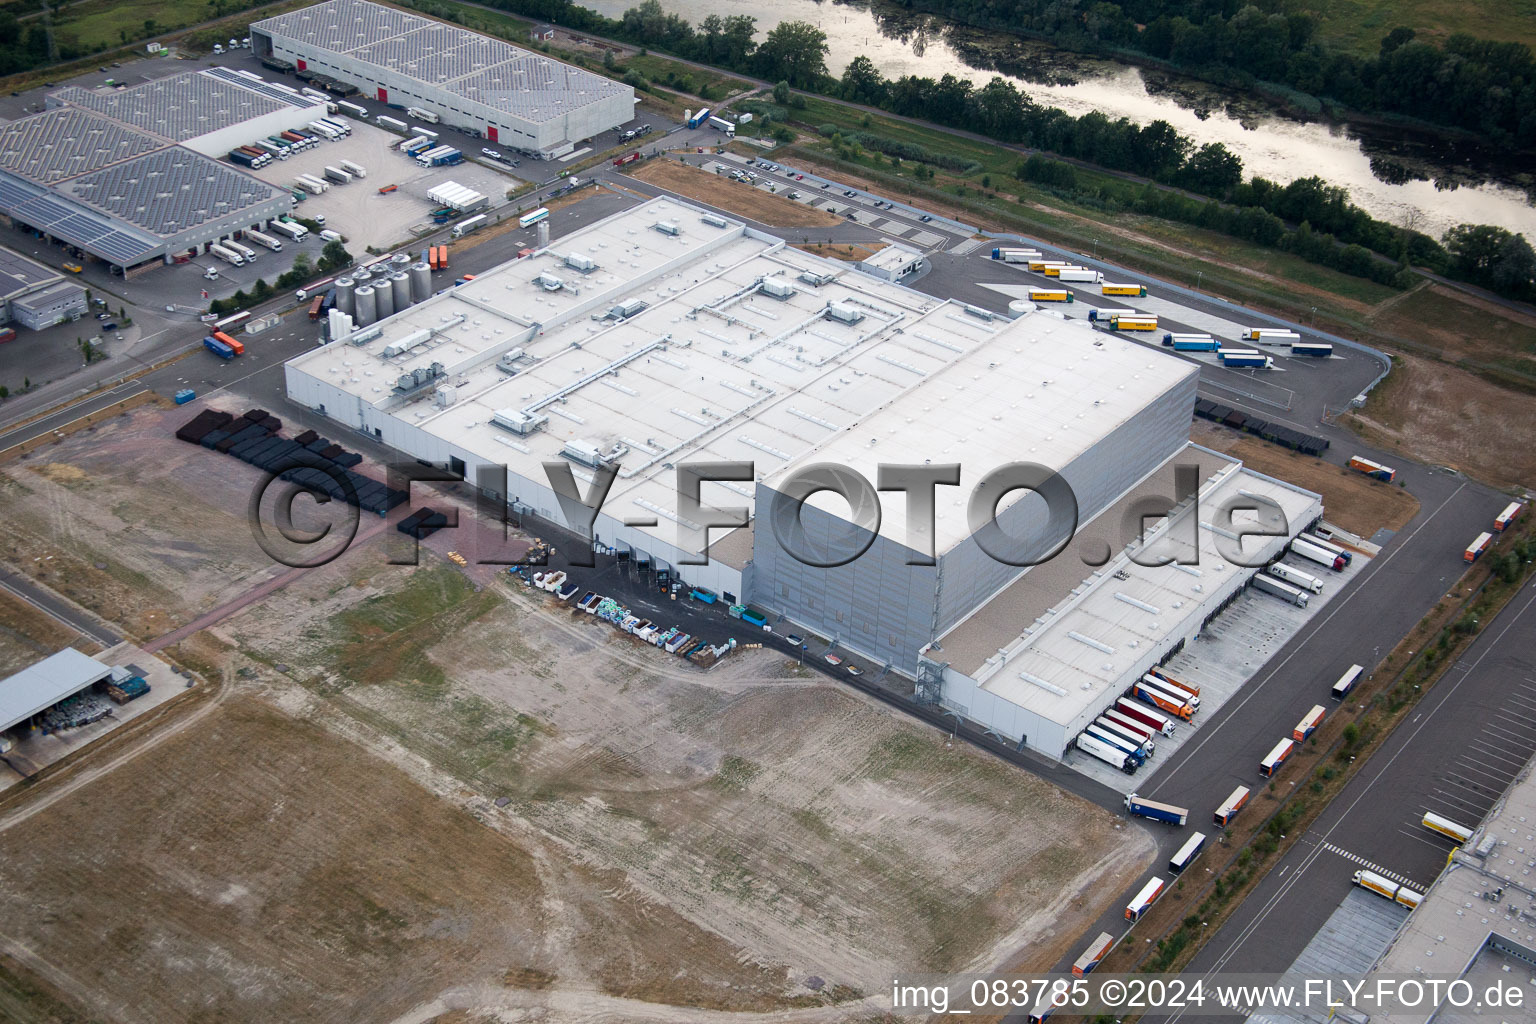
[1302, 548]
[1156, 719]
[1143, 732]
[1131, 748]
[1446, 827]
[244, 159]
[1097, 950]
[1191, 342]
[1479, 544]
[1139, 290]
[1296, 578]
[429, 116]
[1268, 335]
[1244, 359]
[218, 348]
[1049, 295]
[1281, 589]
[272, 148]
[393, 124]
[1139, 322]
[1144, 899]
[325, 131]
[1080, 275]
[235, 346]
[1038, 265]
[1110, 755]
[355, 169]
[721, 124]
[1376, 470]
[1178, 685]
[1319, 540]
[245, 251]
[1511, 512]
[1382, 886]
[464, 227]
[1015, 255]
[410, 143]
[1231, 805]
[694, 120]
[337, 175]
[227, 255]
[1309, 723]
[313, 185]
[1055, 269]
[1169, 698]
[1187, 853]
[1347, 681]
[297, 232]
[266, 241]
[336, 124]
[1314, 349]
[1169, 813]
[1104, 316]
[1277, 757]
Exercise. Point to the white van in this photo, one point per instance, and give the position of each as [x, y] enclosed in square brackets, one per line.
[331, 236]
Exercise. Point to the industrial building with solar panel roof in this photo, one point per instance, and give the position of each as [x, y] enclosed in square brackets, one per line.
[519, 99]
[667, 335]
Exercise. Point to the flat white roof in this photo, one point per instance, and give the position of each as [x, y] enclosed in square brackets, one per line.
[711, 365]
[45, 683]
[892, 257]
[1071, 654]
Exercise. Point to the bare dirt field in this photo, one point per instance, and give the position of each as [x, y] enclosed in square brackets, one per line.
[429, 796]
[27, 634]
[1448, 416]
[737, 197]
[1351, 500]
[848, 253]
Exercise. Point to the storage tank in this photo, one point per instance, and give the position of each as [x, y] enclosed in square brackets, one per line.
[383, 298]
[1019, 307]
[400, 289]
[345, 301]
[421, 282]
[367, 309]
[363, 276]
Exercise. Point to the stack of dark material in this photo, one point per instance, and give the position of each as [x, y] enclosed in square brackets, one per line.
[1307, 444]
[422, 523]
[309, 460]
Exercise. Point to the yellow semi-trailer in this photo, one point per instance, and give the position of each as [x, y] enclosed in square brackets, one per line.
[1123, 289]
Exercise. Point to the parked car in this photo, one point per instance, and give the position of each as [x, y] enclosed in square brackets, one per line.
[854, 670]
[826, 184]
[796, 639]
[109, 327]
[488, 151]
[850, 193]
[925, 218]
[799, 177]
[101, 316]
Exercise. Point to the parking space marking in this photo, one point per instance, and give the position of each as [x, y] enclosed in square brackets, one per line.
[1368, 865]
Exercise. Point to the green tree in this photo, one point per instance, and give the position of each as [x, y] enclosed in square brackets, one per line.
[781, 94]
[862, 82]
[334, 256]
[795, 51]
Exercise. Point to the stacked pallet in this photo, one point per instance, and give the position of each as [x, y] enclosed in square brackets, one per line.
[1307, 444]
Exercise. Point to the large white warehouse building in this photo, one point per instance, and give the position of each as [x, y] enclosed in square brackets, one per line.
[667, 336]
[522, 100]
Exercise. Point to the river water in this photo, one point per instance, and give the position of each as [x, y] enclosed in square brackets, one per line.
[1270, 146]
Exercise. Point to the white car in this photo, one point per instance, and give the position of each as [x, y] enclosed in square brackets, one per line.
[492, 153]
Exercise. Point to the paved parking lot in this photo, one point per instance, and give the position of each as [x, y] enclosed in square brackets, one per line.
[1221, 661]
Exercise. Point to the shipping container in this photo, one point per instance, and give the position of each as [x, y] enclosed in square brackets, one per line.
[314, 307]
[218, 348]
[235, 345]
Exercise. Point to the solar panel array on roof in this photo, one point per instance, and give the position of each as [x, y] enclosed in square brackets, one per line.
[62, 143]
[77, 225]
[170, 191]
[490, 71]
[182, 106]
[263, 88]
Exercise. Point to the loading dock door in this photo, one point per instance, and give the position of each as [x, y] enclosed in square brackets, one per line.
[383, 95]
[490, 133]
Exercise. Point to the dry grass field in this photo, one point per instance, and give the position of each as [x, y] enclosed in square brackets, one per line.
[738, 197]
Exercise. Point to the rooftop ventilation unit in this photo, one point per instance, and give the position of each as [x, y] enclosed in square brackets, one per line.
[814, 279]
[668, 227]
[549, 282]
[625, 310]
[777, 288]
[844, 313]
[714, 220]
[517, 421]
[508, 361]
[584, 452]
[581, 262]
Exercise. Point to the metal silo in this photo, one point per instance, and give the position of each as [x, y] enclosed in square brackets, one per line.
[345, 302]
[367, 310]
[383, 298]
[400, 285]
[421, 282]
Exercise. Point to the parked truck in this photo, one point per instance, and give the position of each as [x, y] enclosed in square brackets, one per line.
[1110, 755]
[694, 120]
[1015, 255]
[1383, 886]
[1156, 719]
[1156, 811]
[1268, 335]
[265, 241]
[227, 255]
[423, 114]
[1281, 589]
[1303, 548]
[1081, 275]
[1105, 315]
[1130, 749]
[464, 227]
[1139, 290]
[721, 124]
[1050, 295]
[244, 159]
[1477, 547]
[355, 169]
[1296, 578]
[337, 175]
[297, 232]
[1146, 689]
[1191, 342]
[1244, 359]
[1139, 322]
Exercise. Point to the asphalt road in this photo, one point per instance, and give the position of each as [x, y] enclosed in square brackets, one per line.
[65, 611]
[1455, 755]
[1415, 568]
